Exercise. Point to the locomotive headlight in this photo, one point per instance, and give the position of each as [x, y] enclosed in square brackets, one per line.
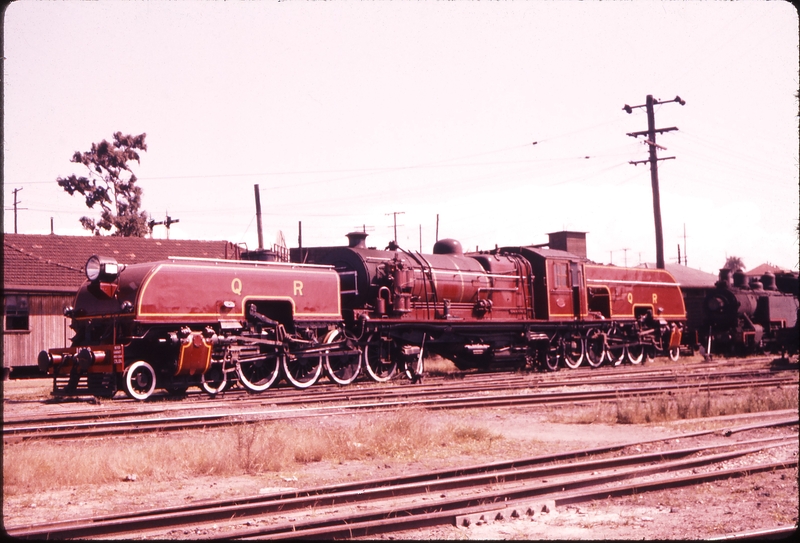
[101, 267]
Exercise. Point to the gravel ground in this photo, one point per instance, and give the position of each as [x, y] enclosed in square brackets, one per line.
[757, 501]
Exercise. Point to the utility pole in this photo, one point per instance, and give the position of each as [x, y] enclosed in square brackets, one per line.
[650, 134]
[396, 213]
[258, 218]
[16, 208]
[685, 261]
[166, 222]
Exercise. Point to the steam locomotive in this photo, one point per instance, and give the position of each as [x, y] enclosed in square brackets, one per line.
[208, 323]
[760, 315]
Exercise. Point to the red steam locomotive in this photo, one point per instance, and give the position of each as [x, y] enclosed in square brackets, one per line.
[183, 322]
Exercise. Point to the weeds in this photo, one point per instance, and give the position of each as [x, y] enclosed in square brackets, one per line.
[697, 403]
[254, 448]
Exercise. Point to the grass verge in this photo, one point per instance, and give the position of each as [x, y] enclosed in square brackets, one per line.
[693, 404]
[256, 448]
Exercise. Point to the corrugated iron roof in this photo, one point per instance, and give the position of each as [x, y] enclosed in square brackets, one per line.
[55, 263]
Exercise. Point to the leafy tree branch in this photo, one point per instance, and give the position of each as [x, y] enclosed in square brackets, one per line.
[111, 184]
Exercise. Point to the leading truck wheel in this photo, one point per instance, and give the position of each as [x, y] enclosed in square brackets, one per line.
[214, 381]
[674, 353]
[378, 359]
[302, 372]
[342, 369]
[139, 380]
[260, 374]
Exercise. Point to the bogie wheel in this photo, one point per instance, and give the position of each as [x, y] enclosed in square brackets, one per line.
[378, 359]
[595, 348]
[649, 353]
[549, 358]
[635, 354]
[674, 353]
[342, 369]
[302, 372]
[139, 380]
[259, 374]
[214, 381]
[574, 350]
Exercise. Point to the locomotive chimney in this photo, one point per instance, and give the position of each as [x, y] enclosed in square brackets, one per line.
[739, 279]
[357, 240]
[724, 277]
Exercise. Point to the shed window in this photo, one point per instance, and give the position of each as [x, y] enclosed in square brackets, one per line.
[16, 312]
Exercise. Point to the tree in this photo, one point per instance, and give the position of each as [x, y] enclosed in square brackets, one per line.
[734, 263]
[118, 197]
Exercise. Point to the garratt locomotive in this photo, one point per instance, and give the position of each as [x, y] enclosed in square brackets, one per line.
[188, 322]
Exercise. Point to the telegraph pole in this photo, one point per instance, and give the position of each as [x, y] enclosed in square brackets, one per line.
[15, 208]
[650, 133]
[166, 222]
[396, 213]
[258, 218]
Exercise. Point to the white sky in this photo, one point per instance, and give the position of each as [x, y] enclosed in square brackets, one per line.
[346, 112]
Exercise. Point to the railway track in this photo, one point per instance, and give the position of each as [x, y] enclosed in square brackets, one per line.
[469, 391]
[522, 487]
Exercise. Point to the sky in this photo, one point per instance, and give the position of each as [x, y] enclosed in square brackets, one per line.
[493, 123]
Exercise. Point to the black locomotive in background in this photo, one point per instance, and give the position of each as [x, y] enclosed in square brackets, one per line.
[742, 316]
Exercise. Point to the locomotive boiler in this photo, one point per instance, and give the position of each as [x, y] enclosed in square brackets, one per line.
[743, 317]
[184, 322]
[517, 305]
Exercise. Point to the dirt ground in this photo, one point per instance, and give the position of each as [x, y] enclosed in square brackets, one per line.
[714, 509]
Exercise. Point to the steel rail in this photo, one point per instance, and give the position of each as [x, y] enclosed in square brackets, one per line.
[481, 475]
[140, 425]
[439, 513]
[324, 392]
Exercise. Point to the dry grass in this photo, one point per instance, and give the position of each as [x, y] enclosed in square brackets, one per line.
[237, 450]
[438, 366]
[685, 405]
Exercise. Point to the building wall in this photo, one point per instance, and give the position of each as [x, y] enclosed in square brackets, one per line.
[47, 328]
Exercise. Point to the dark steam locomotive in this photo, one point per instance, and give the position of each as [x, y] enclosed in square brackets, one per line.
[208, 323]
[760, 315]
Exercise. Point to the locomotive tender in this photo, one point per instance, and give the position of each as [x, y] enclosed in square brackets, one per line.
[187, 322]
